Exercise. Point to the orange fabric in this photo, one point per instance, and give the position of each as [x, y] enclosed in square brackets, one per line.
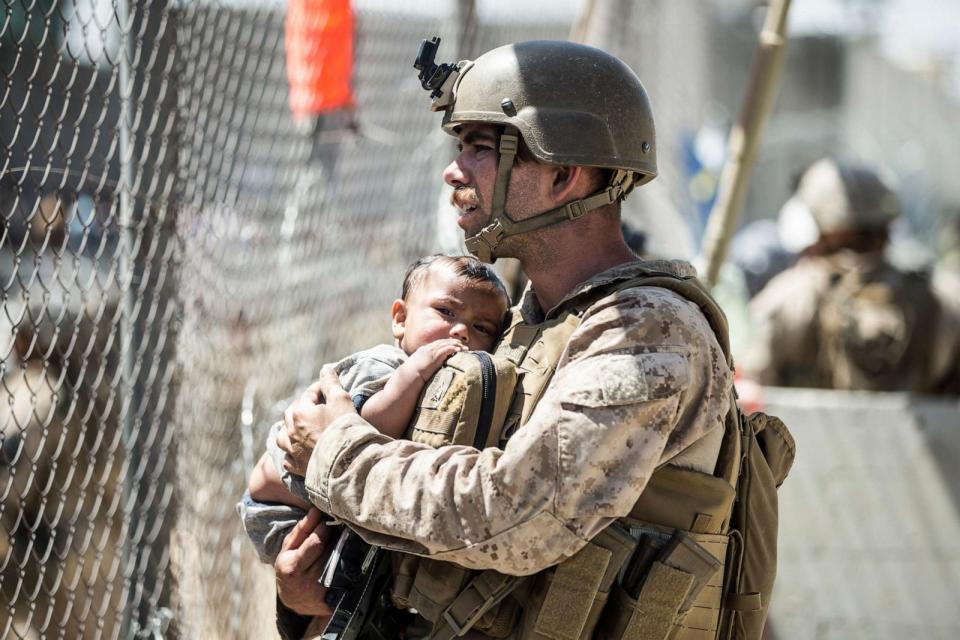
[319, 48]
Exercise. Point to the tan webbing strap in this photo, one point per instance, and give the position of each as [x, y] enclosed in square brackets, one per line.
[569, 211]
[485, 242]
[479, 596]
[664, 591]
[732, 446]
[575, 584]
[694, 291]
[701, 523]
[509, 144]
[743, 601]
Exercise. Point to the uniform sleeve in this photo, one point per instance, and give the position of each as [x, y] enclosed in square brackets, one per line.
[641, 379]
[783, 316]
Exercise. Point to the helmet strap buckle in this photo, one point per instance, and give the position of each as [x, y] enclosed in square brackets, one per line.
[484, 243]
[577, 209]
[509, 144]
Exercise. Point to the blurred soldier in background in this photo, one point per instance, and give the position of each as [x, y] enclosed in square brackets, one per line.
[843, 317]
[946, 284]
[946, 273]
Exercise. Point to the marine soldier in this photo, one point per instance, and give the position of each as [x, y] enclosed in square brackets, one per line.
[843, 317]
[618, 381]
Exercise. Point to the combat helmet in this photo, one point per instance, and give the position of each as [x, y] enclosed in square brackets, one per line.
[834, 195]
[571, 104]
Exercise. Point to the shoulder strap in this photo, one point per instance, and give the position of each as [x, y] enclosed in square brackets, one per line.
[728, 462]
[693, 290]
[687, 287]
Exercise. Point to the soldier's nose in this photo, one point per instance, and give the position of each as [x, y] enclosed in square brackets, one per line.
[454, 175]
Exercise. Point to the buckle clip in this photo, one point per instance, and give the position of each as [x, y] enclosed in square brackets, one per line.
[484, 242]
[457, 628]
[576, 209]
[478, 597]
[508, 144]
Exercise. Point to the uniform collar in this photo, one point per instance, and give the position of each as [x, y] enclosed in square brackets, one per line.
[533, 313]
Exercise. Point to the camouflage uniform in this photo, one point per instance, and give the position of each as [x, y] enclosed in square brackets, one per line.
[641, 382]
[787, 337]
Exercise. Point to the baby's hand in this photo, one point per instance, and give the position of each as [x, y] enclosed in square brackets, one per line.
[430, 357]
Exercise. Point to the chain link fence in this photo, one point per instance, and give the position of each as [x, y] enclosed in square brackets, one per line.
[179, 254]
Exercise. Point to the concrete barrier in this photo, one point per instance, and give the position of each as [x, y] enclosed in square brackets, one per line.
[869, 517]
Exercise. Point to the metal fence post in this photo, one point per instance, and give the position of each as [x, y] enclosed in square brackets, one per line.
[148, 206]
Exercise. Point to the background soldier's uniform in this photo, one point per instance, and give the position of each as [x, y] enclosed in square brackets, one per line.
[641, 382]
[843, 317]
[915, 351]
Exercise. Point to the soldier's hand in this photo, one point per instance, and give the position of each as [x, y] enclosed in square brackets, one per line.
[431, 356]
[299, 565]
[323, 402]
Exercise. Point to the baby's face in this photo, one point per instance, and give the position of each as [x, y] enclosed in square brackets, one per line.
[446, 305]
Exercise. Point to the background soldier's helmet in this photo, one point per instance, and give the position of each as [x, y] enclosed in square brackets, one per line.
[842, 196]
[572, 104]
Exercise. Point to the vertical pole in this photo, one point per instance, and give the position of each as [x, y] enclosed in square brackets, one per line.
[128, 240]
[148, 156]
[467, 28]
[580, 30]
[744, 138]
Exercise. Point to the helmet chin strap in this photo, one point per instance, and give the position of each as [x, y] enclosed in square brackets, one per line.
[484, 243]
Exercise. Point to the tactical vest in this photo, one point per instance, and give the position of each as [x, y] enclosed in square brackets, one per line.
[665, 570]
[875, 329]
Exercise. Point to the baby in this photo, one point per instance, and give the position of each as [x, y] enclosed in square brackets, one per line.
[448, 304]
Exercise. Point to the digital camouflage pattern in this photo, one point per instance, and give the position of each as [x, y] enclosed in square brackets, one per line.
[641, 382]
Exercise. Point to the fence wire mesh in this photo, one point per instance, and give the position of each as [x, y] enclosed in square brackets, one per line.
[179, 254]
[87, 269]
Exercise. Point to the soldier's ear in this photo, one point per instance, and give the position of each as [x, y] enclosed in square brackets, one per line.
[565, 179]
[399, 313]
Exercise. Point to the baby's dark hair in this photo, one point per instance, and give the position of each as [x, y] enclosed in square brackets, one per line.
[465, 266]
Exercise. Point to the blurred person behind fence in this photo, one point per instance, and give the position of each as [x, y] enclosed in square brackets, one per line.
[844, 317]
[60, 419]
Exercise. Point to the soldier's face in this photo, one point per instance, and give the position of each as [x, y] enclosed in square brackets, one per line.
[473, 173]
[447, 305]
